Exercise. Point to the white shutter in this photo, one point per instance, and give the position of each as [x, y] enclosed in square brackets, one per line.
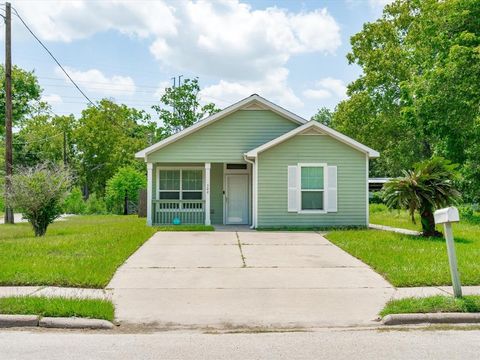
[331, 189]
[293, 188]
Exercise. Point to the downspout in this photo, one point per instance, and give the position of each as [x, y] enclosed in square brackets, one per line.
[254, 191]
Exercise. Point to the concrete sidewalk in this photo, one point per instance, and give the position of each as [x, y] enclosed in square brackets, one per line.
[425, 291]
[18, 218]
[54, 291]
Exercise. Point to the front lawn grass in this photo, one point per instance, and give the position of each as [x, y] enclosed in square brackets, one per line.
[57, 307]
[81, 251]
[185, 228]
[432, 304]
[406, 260]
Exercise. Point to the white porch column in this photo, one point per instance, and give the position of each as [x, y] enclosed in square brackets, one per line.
[207, 193]
[149, 193]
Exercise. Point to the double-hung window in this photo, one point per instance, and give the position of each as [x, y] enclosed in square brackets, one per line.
[312, 188]
[181, 184]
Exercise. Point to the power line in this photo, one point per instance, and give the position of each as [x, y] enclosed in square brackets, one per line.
[53, 57]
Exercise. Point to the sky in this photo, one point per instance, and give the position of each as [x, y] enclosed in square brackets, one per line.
[290, 52]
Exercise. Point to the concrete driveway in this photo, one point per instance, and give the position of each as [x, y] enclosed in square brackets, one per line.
[246, 279]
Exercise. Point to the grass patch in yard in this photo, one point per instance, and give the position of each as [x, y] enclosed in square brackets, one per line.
[406, 260]
[432, 304]
[57, 307]
[81, 251]
[185, 228]
[381, 215]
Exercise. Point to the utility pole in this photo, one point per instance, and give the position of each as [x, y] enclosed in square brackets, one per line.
[180, 80]
[8, 112]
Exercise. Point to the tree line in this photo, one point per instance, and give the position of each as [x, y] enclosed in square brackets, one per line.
[100, 142]
[418, 96]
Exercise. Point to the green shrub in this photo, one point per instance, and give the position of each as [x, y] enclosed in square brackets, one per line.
[376, 198]
[95, 206]
[126, 181]
[469, 213]
[466, 211]
[39, 192]
[74, 203]
[378, 208]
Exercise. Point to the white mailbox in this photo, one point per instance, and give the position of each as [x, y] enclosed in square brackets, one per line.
[446, 215]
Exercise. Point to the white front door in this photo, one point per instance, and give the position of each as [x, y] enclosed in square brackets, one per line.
[236, 199]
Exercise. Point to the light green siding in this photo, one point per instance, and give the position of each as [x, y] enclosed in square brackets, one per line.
[272, 182]
[227, 139]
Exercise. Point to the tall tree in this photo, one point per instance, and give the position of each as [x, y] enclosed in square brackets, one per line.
[46, 138]
[26, 93]
[107, 137]
[324, 115]
[180, 107]
[418, 95]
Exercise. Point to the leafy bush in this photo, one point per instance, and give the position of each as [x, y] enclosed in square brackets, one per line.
[376, 198]
[74, 203]
[377, 208]
[469, 213]
[126, 181]
[39, 192]
[95, 206]
[466, 211]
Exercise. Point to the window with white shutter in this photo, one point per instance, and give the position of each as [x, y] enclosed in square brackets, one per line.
[331, 189]
[293, 188]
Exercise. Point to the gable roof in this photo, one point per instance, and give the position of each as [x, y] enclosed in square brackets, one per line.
[314, 125]
[253, 102]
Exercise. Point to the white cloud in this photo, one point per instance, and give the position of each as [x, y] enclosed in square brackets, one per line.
[248, 49]
[379, 4]
[327, 88]
[230, 40]
[274, 87]
[161, 89]
[95, 81]
[52, 99]
[60, 20]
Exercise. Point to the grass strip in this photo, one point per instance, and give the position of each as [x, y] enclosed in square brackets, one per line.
[432, 304]
[57, 307]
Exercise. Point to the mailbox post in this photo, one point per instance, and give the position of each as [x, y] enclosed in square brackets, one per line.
[446, 217]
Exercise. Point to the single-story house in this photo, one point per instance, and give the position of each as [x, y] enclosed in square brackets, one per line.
[256, 163]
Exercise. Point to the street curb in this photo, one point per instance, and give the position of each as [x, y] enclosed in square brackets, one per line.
[74, 323]
[18, 320]
[432, 318]
[7, 321]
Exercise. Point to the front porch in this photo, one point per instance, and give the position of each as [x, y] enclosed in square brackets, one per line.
[199, 193]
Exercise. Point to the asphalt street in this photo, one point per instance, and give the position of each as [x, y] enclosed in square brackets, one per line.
[320, 344]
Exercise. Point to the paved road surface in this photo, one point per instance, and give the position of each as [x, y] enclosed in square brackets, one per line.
[321, 344]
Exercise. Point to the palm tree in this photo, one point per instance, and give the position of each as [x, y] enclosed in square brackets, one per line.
[429, 186]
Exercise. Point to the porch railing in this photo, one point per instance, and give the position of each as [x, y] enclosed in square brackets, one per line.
[187, 211]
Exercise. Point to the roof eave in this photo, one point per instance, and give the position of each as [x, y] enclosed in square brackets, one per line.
[212, 118]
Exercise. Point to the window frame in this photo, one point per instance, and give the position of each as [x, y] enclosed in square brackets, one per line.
[324, 190]
[180, 190]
